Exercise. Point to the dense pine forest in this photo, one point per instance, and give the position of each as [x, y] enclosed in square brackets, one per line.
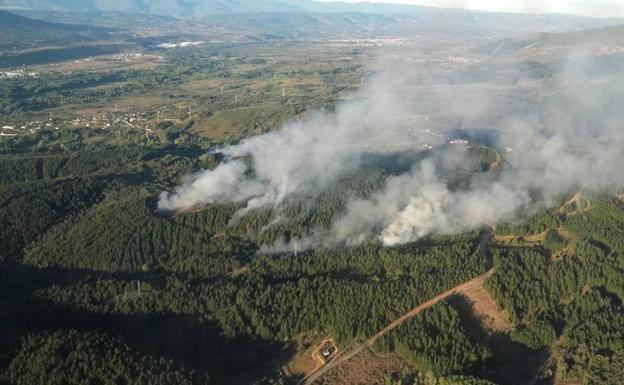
[99, 287]
[82, 235]
[504, 280]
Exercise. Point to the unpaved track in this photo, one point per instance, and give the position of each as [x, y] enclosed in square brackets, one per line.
[347, 354]
[315, 353]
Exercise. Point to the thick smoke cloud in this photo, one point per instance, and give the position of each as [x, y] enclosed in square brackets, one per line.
[303, 156]
[558, 133]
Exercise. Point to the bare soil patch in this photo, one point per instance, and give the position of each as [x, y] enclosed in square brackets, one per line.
[570, 247]
[531, 239]
[493, 318]
[366, 368]
[571, 203]
[348, 353]
[308, 360]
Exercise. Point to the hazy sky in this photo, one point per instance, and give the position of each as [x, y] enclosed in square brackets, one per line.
[598, 8]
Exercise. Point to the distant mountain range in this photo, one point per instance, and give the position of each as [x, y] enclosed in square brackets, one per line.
[186, 9]
[201, 8]
[37, 23]
[281, 13]
[17, 32]
[599, 41]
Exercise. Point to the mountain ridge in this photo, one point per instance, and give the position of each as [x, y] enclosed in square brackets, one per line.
[202, 8]
[19, 32]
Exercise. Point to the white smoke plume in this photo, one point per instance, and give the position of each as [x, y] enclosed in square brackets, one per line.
[558, 132]
[303, 156]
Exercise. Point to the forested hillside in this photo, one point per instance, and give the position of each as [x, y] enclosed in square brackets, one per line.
[17, 32]
[83, 249]
[290, 197]
[566, 295]
[82, 236]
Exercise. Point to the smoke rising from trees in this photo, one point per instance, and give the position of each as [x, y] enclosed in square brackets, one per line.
[558, 126]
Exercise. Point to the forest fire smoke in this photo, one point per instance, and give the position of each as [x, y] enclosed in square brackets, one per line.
[558, 136]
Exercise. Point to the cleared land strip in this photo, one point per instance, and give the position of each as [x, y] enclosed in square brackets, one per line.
[347, 354]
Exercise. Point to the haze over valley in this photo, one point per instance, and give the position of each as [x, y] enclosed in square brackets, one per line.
[303, 192]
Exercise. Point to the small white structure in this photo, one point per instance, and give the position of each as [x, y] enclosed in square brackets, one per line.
[181, 44]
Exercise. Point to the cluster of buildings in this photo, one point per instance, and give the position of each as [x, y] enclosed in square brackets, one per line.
[139, 120]
[17, 73]
[181, 44]
[389, 41]
[450, 59]
[136, 120]
[114, 119]
[10, 129]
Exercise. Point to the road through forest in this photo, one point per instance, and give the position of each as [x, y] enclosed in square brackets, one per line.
[348, 353]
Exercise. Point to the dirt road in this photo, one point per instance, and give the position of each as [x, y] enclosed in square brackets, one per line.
[348, 353]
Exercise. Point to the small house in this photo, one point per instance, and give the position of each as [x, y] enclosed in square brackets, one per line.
[327, 352]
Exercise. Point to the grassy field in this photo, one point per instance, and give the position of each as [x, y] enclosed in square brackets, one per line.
[219, 93]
